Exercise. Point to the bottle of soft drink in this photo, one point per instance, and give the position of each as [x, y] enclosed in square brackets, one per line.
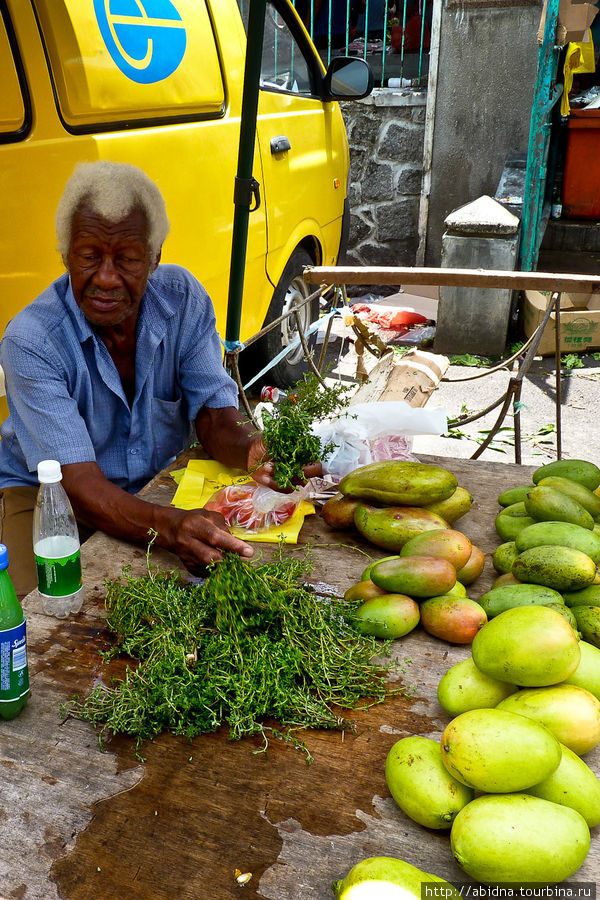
[14, 676]
[56, 545]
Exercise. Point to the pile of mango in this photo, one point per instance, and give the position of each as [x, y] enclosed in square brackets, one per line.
[506, 776]
[425, 581]
[551, 549]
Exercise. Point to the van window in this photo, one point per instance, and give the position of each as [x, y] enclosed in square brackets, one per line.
[284, 66]
[12, 106]
[118, 61]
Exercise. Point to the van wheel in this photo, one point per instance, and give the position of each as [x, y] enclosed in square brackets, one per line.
[290, 291]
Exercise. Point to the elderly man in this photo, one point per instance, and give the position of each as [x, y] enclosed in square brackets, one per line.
[107, 371]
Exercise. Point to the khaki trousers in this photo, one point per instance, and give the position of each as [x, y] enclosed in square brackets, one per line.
[16, 532]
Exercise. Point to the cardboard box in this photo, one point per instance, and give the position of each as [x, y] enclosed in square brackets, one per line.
[579, 328]
[412, 377]
[574, 19]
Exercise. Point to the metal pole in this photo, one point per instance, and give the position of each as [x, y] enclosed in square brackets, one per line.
[246, 187]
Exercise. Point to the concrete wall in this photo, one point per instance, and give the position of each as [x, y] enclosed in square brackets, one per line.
[385, 132]
[486, 74]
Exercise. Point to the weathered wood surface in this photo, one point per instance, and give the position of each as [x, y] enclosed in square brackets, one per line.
[76, 822]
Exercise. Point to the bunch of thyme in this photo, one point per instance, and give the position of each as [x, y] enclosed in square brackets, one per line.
[287, 432]
[252, 642]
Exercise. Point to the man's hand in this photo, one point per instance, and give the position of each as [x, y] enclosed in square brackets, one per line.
[200, 537]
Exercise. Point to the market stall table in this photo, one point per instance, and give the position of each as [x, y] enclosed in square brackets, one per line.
[78, 822]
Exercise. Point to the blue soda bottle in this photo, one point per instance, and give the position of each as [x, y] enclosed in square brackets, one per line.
[14, 676]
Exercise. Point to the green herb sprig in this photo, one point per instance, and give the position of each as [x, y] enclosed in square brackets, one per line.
[287, 433]
[252, 643]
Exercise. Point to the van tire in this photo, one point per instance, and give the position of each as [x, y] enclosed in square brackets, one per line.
[290, 288]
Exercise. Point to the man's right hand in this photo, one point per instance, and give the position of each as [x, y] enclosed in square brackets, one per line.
[200, 537]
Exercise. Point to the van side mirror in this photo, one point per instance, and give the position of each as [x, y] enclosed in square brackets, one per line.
[347, 78]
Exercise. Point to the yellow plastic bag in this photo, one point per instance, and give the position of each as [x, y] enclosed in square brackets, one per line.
[580, 59]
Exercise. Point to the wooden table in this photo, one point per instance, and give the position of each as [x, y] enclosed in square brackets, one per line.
[77, 822]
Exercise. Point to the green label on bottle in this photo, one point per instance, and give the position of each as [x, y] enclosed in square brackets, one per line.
[59, 577]
[14, 676]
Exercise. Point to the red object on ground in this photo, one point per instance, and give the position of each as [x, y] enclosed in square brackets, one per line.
[581, 180]
[388, 318]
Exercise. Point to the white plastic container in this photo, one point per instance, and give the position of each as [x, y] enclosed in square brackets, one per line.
[56, 545]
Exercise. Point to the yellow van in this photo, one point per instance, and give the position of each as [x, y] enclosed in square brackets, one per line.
[158, 83]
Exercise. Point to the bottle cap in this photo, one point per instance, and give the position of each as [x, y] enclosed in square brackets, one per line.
[49, 471]
[3, 557]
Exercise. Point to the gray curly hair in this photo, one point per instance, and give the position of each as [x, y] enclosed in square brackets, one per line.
[112, 190]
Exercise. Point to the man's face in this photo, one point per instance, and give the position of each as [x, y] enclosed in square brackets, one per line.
[109, 264]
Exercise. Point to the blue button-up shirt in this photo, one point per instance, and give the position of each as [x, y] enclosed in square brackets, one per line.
[65, 396]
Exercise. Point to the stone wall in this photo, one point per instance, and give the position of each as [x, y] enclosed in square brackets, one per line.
[385, 132]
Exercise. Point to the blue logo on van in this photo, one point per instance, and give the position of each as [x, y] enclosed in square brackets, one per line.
[145, 38]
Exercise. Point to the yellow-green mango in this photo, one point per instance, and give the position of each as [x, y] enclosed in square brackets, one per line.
[507, 578]
[574, 785]
[366, 575]
[574, 489]
[504, 557]
[510, 521]
[399, 483]
[563, 534]
[571, 713]
[473, 567]
[586, 473]
[457, 590]
[588, 623]
[587, 673]
[497, 751]
[364, 590]
[417, 576]
[510, 595]
[565, 612]
[519, 839]
[338, 512]
[387, 878]
[561, 568]
[456, 505]
[464, 687]
[421, 785]
[531, 646]
[453, 619]
[514, 495]
[545, 504]
[587, 596]
[443, 542]
[392, 526]
[388, 617]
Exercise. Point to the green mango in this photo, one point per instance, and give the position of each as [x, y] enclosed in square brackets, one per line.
[519, 839]
[399, 483]
[386, 876]
[444, 542]
[565, 612]
[587, 673]
[587, 596]
[563, 534]
[453, 619]
[514, 495]
[417, 576]
[545, 504]
[421, 785]
[366, 575]
[571, 713]
[456, 505]
[388, 617]
[510, 595]
[464, 687]
[561, 568]
[497, 751]
[458, 589]
[510, 521]
[586, 473]
[392, 526]
[588, 623]
[504, 557]
[531, 646]
[574, 785]
[577, 491]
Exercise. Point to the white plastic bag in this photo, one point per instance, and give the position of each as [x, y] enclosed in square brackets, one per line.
[253, 506]
[369, 432]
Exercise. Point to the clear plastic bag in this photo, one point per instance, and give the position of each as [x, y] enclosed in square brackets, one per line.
[255, 507]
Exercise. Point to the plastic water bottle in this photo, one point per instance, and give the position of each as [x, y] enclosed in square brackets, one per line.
[56, 545]
[14, 676]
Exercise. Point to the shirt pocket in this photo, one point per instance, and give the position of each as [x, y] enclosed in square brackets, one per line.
[171, 430]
